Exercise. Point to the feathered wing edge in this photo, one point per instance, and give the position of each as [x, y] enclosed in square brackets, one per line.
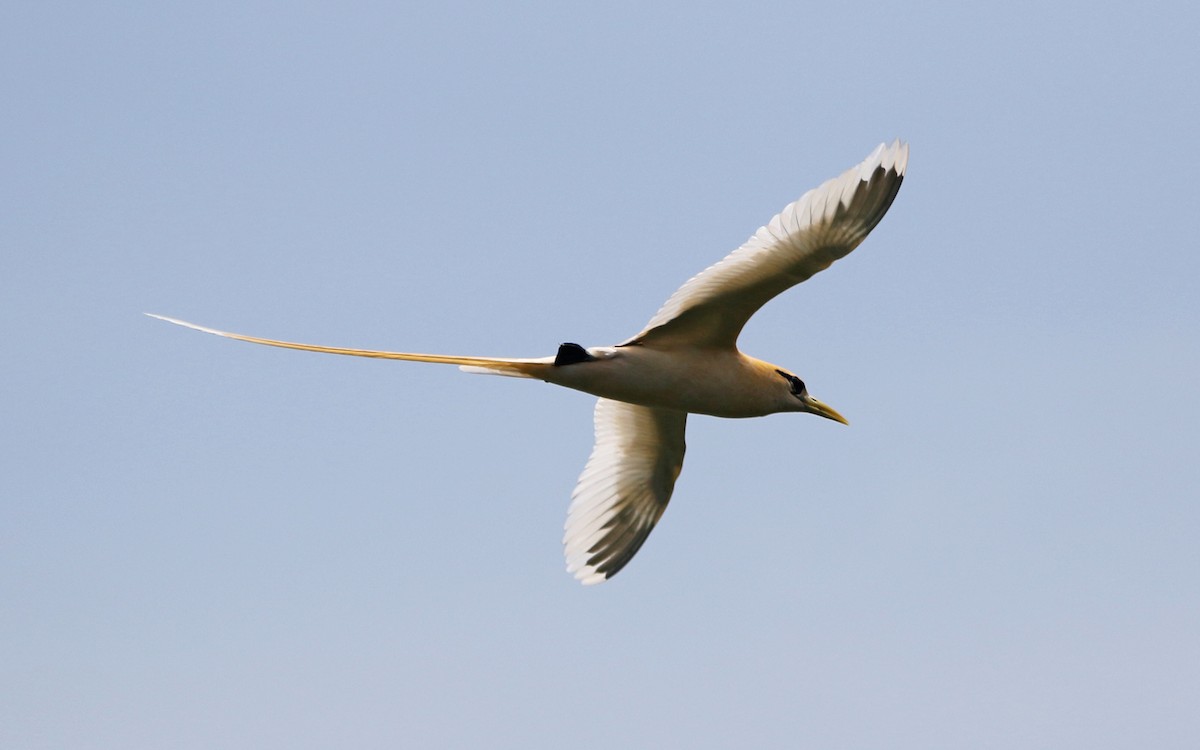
[624, 488]
[626, 484]
[519, 368]
[824, 224]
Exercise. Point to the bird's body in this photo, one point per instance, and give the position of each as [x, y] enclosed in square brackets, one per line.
[719, 382]
[685, 361]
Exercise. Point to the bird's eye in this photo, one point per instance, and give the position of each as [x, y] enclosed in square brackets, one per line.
[796, 383]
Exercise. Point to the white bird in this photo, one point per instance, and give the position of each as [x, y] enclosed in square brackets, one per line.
[684, 361]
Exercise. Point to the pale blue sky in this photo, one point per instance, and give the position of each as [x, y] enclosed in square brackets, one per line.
[207, 544]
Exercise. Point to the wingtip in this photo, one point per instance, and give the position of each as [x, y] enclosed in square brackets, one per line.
[876, 155]
[587, 576]
[897, 157]
[579, 569]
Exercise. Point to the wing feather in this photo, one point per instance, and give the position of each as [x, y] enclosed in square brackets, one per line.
[825, 224]
[624, 488]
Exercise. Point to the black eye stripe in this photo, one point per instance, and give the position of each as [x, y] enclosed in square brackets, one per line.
[796, 383]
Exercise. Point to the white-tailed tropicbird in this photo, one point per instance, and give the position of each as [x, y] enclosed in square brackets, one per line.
[684, 360]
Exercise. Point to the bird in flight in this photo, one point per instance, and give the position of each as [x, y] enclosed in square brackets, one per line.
[684, 361]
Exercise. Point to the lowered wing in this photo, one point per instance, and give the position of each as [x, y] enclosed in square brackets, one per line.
[624, 488]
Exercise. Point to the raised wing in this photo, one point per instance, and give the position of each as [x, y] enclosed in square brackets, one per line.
[825, 224]
[624, 488]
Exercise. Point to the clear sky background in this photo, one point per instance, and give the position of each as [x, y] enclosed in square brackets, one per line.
[208, 544]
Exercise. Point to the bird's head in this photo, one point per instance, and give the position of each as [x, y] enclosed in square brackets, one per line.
[798, 399]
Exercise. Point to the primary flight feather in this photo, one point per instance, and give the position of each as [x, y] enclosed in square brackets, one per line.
[684, 360]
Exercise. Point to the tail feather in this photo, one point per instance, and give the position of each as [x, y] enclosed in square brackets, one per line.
[520, 368]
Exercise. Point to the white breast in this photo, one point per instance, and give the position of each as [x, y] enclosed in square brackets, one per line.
[719, 383]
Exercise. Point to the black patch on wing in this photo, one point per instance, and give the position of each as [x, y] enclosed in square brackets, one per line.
[571, 354]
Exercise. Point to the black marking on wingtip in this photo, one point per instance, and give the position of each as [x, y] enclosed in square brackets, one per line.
[571, 354]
